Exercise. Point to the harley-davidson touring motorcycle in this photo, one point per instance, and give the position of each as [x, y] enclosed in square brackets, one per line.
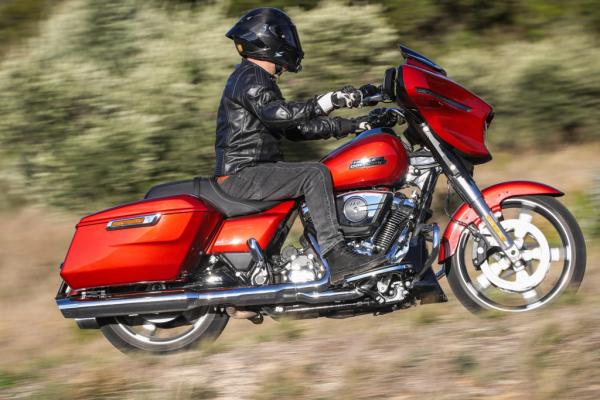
[167, 272]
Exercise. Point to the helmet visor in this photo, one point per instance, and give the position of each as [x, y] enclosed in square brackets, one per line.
[290, 35]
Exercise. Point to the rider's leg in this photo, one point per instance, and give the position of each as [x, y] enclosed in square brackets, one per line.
[283, 180]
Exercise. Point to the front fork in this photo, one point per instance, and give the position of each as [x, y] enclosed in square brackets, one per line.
[465, 186]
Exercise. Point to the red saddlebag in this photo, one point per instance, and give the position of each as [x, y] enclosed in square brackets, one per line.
[147, 241]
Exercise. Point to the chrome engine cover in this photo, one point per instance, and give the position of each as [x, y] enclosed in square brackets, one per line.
[302, 266]
[361, 212]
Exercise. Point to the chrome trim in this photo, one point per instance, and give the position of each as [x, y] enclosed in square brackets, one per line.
[329, 296]
[441, 273]
[374, 200]
[376, 272]
[149, 220]
[256, 251]
[435, 242]
[311, 292]
[87, 323]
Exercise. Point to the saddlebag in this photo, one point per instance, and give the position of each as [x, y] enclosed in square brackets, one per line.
[147, 241]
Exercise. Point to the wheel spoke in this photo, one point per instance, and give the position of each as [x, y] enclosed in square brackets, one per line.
[556, 253]
[521, 275]
[525, 218]
[532, 254]
[150, 328]
[503, 264]
[482, 282]
[530, 295]
[495, 268]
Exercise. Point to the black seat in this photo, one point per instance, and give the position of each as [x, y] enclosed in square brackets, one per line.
[208, 190]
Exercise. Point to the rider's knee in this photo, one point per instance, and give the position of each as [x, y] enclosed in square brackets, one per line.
[320, 170]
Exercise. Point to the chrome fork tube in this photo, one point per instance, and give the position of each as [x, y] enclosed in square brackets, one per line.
[465, 186]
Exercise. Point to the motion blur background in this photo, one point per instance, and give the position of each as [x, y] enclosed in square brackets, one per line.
[99, 100]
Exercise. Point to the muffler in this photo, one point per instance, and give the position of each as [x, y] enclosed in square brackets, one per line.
[311, 292]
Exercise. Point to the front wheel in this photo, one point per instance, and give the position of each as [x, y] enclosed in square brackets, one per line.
[164, 333]
[552, 246]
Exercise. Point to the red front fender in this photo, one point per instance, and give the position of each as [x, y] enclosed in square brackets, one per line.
[494, 196]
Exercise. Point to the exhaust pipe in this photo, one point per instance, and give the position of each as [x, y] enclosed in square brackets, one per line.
[317, 292]
[312, 293]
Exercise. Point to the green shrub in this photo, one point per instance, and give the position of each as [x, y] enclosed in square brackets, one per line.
[116, 96]
[544, 93]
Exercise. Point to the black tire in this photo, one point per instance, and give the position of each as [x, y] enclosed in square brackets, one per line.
[570, 279]
[119, 332]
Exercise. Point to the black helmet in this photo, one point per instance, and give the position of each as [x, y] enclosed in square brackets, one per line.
[268, 34]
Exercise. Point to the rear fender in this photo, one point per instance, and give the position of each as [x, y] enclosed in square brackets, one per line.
[493, 196]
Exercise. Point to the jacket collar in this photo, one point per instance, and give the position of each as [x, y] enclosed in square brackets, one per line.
[248, 64]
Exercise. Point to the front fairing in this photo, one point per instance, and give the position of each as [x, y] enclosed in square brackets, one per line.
[457, 116]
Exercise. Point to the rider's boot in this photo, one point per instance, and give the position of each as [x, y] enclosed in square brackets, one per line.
[343, 263]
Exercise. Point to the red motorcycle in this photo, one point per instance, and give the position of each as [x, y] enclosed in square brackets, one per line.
[164, 273]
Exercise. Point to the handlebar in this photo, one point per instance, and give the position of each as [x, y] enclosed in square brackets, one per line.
[370, 99]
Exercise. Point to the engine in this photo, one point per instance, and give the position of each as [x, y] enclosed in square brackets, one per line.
[300, 265]
[373, 220]
[361, 213]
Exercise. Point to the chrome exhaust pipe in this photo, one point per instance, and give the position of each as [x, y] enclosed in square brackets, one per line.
[312, 292]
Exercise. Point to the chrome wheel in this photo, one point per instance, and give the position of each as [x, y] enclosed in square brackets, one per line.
[163, 332]
[552, 247]
[163, 329]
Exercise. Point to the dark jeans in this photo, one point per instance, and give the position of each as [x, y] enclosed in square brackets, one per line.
[284, 181]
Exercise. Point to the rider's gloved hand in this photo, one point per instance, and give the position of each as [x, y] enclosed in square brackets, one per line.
[378, 118]
[369, 90]
[348, 97]
[383, 118]
[346, 126]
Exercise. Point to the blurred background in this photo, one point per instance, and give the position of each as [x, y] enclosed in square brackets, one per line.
[99, 100]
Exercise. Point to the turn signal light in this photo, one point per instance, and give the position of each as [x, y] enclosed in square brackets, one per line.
[133, 222]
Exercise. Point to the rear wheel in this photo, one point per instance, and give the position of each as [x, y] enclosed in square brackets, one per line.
[164, 333]
[552, 246]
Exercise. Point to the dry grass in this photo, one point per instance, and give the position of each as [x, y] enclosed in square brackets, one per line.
[431, 352]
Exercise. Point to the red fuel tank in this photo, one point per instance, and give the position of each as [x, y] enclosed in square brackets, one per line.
[374, 158]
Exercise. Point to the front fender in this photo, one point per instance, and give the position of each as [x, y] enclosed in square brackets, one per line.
[493, 196]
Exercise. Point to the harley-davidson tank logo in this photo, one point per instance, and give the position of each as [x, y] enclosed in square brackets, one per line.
[367, 162]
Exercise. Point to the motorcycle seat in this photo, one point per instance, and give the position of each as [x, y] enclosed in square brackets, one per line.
[208, 190]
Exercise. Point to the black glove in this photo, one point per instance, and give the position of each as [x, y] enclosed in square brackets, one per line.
[344, 126]
[383, 118]
[378, 118]
[369, 90]
[348, 97]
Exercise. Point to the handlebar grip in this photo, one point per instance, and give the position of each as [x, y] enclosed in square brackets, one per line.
[372, 99]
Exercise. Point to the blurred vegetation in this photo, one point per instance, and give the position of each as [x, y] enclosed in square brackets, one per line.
[111, 97]
[19, 18]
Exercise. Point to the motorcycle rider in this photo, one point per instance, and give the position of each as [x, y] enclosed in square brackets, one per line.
[253, 117]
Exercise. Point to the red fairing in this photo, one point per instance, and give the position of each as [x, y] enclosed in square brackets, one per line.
[235, 232]
[455, 114]
[494, 196]
[162, 251]
[374, 158]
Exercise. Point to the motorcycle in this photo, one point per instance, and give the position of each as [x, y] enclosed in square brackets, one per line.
[167, 272]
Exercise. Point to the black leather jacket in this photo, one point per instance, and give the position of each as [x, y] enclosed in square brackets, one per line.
[253, 117]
